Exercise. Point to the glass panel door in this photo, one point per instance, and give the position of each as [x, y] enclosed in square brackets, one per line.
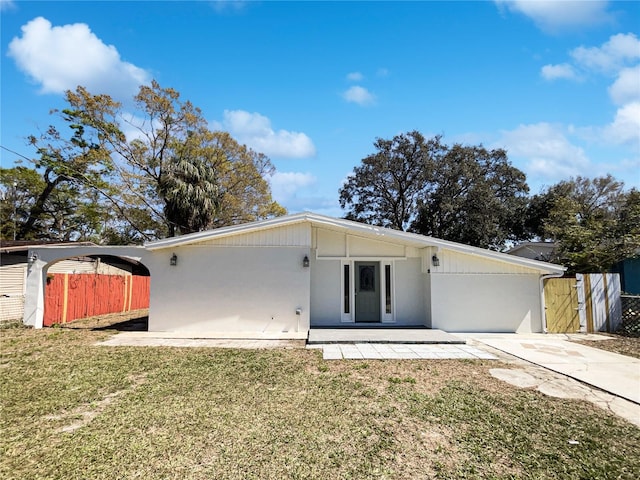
[367, 290]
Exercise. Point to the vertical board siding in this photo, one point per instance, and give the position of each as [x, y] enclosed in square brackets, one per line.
[458, 262]
[290, 235]
[74, 296]
[12, 283]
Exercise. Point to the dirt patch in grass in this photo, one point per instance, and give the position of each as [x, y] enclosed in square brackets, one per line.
[200, 413]
[621, 344]
[82, 415]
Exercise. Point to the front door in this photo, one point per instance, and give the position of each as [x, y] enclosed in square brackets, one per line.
[367, 283]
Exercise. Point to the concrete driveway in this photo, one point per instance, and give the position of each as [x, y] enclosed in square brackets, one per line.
[611, 372]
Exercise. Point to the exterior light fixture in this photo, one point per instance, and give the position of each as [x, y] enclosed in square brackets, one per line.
[435, 261]
[32, 258]
[173, 261]
[305, 261]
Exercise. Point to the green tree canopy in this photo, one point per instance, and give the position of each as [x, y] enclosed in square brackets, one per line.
[157, 166]
[475, 197]
[595, 222]
[386, 188]
[460, 193]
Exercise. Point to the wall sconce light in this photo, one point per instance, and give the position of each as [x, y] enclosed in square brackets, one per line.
[305, 261]
[173, 261]
[32, 259]
[435, 261]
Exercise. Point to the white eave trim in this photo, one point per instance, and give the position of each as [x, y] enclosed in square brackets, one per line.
[368, 231]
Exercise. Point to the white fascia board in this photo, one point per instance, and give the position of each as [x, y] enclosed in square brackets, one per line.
[368, 231]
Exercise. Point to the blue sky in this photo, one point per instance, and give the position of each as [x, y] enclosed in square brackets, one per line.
[313, 84]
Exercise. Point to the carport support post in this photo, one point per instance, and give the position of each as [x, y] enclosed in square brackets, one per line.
[34, 292]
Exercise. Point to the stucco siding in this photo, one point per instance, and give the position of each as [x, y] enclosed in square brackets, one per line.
[410, 291]
[427, 300]
[486, 303]
[232, 290]
[325, 292]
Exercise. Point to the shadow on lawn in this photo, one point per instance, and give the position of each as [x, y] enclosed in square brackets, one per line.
[112, 322]
[133, 325]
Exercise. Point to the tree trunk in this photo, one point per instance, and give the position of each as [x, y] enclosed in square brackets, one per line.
[38, 208]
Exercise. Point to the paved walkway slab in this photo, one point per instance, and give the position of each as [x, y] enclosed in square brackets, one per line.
[381, 335]
[611, 372]
[122, 340]
[392, 351]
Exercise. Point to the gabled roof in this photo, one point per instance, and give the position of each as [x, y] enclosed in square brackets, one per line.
[354, 228]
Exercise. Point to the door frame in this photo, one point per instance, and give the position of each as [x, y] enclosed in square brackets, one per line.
[348, 289]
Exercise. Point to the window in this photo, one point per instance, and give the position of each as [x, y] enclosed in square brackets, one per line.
[387, 288]
[346, 289]
[367, 278]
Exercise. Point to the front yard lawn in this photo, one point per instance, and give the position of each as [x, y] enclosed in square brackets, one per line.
[73, 410]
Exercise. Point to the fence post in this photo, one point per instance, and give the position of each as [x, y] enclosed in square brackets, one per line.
[607, 318]
[582, 314]
[65, 298]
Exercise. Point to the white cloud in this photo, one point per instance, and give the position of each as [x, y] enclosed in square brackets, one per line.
[554, 15]
[355, 77]
[625, 128]
[284, 185]
[297, 192]
[554, 72]
[232, 6]
[626, 88]
[134, 126]
[359, 95]
[6, 5]
[545, 150]
[618, 57]
[255, 131]
[61, 58]
[620, 50]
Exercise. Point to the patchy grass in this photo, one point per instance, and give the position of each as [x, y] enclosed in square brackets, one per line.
[621, 344]
[71, 410]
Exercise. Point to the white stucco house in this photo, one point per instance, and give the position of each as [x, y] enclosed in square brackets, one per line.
[280, 277]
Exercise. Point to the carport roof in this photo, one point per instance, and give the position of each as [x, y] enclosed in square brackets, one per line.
[354, 228]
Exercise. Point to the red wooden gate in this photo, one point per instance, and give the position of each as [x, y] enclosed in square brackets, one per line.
[70, 296]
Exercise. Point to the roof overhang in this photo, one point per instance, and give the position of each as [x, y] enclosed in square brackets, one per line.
[352, 228]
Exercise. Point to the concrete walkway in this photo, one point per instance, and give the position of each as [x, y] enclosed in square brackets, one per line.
[381, 335]
[167, 339]
[611, 372]
[391, 351]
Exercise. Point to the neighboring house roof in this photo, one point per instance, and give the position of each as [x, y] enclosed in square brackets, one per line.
[532, 246]
[543, 251]
[15, 246]
[354, 228]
